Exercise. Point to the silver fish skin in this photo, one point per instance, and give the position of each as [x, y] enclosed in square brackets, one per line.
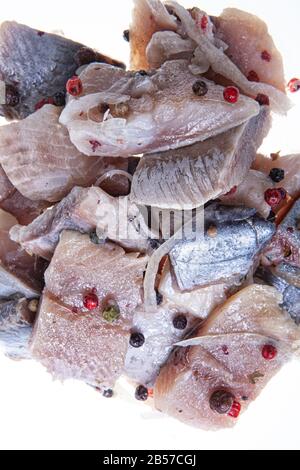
[16, 322]
[290, 293]
[36, 64]
[225, 251]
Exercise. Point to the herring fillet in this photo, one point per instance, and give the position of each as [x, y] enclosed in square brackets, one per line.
[161, 113]
[84, 210]
[38, 64]
[189, 177]
[192, 374]
[41, 162]
[70, 341]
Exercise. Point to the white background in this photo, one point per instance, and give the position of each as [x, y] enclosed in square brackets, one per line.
[37, 413]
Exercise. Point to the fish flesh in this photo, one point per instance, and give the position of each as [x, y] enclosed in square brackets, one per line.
[290, 293]
[219, 372]
[143, 364]
[20, 273]
[36, 65]
[251, 193]
[290, 164]
[225, 252]
[71, 341]
[97, 77]
[247, 38]
[150, 113]
[86, 210]
[189, 177]
[16, 322]
[199, 302]
[148, 17]
[41, 162]
[168, 45]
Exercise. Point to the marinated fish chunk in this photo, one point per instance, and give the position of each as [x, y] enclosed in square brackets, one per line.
[224, 252]
[153, 112]
[41, 162]
[82, 330]
[213, 377]
[36, 66]
[16, 320]
[20, 273]
[85, 210]
[189, 177]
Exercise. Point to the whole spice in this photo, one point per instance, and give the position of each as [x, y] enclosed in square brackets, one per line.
[204, 22]
[141, 393]
[231, 94]
[180, 322]
[74, 86]
[12, 97]
[200, 88]
[274, 196]
[111, 312]
[126, 35]
[277, 175]
[235, 410]
[95, 239]
[137, 340]
[108, 393]
[59, 99]
[90, 301]
[269, 352]
[294, 85]
[221, 402]
[33, 305]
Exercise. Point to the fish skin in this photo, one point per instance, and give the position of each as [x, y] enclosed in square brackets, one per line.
[41, 162]
[84, 210]
[163, 114]
[192, 374]
[16, 323]
[290, 293]
[81, 344]
[38, 64]
[247, 37]
[189, 177]
[209, 261]
[20, 273]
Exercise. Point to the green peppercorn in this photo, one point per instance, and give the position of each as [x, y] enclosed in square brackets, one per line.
[111, 313]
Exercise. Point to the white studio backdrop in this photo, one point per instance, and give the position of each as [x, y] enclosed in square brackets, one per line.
[38, 413]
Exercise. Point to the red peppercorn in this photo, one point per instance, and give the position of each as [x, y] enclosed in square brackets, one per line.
[74, 86]
[262, 99]
[235, 410]
[252, 76]
[265, 55]
[269, 352]
[294, 85]
[231, 94]
[274, 197]
[225, 350]
[204, 22]
[90, 301]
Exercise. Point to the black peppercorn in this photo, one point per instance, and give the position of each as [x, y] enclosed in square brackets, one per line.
[126, 35]
[95, 239]
[221, 402]
[143, 73]
[12, 96]
[180, 322]
[141, 393]
[154, 244]
[59, 99]
[277, 175]
[137, 340]
[108, 393]
[200, 88]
